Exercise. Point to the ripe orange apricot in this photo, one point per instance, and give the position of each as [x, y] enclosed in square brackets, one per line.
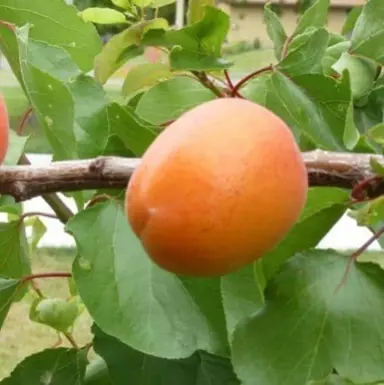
[217, 189]
[4, 129]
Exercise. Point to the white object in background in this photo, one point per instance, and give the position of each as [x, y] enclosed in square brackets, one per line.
[179, 15]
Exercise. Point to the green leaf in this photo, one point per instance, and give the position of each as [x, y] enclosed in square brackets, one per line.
[38, 231]
[207, 296]
[335, 38]
[15, 149]
[377, 167]
[9, 205]
[116, 279]
[167, 100]
[275, 30]
[103, 15]
[122, 46]
[361, 71]
[323, 209]
[143, 76]
[161, 3]
[306, 57]
[68, 31]
[196, 47]
[8, 291]
[125, 4]
[60, 366]
[332, 55]
[350, 21]
[315, 16]
[333, 379]
[196, 9]
[243, 294]
[306, 328]
[314, 105]
[257, 89]
[58, 313]
[70, 106]
[377, 133]
[14, 256]
[368, 33]
[91, 126]
[372, 213]
[142, 3]
[9, 48]
[127, 365]
[134, 132]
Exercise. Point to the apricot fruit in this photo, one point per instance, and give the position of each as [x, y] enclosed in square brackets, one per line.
[4, 129]
[217, 189]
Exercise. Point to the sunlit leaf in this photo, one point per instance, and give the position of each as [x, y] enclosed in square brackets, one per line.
[116, 280]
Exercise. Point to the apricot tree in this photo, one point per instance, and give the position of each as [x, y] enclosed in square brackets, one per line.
[297, 314]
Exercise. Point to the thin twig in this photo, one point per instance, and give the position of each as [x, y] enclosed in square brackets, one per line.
[206, 82]
[24, 120]
[99, 198]
[36, 288]
[36, 214]
[31, 277]
[229, 80]
[356, 254]
[231, 86]
[71, 340]
[250, 77]
[62, 211]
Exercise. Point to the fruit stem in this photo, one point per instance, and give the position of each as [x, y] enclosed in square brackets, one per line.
[36, 288]
[71, 340]
[250, 77]
[356, 254]
[231, 85]
[205, 81]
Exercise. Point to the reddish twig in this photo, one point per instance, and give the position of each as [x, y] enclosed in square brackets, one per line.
[250, 77]
[99, 198]
[361, 191]
[31, 277]
[8, 25]
[356, 255]
[231, 86]
[229, 80]
[24, 120]
[167, 123]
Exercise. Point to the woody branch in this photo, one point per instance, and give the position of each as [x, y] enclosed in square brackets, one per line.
[24, 182]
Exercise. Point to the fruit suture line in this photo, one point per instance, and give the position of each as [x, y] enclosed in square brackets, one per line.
[23, 182]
